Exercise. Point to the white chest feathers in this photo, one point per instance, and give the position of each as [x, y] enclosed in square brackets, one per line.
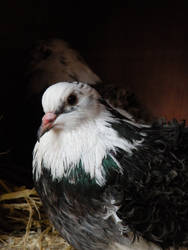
[61, 151]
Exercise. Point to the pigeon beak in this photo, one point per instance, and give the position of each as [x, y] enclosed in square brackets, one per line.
[47, 123]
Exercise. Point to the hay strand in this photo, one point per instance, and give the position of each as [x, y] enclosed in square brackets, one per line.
[24, 224]
[19, 194]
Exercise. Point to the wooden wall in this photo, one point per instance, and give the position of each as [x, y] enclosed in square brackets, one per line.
[147, 50]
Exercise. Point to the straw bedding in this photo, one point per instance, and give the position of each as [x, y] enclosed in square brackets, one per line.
[23, 223]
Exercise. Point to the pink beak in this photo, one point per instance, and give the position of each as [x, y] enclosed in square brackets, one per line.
[47, 123]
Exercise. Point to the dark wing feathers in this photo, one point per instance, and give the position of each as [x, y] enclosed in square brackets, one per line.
[155, 182]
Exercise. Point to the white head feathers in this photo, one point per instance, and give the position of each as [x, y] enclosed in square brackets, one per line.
[86, 105]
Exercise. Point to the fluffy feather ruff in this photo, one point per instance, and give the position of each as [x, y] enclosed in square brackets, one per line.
[90, 143]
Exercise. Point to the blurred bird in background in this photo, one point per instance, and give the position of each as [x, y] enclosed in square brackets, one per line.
[53, 60]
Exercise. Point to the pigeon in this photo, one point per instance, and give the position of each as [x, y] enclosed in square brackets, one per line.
[107, 182]
[53, 60]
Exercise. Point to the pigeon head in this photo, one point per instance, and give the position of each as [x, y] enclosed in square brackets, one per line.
[68, 105]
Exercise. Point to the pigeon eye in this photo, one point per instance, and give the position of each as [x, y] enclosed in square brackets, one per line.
[72, 99]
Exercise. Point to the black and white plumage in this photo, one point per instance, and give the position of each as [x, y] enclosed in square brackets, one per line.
[104, 179]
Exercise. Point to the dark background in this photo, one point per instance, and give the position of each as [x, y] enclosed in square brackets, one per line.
[143, 48]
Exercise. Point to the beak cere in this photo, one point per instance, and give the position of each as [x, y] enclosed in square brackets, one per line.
[47, 123]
